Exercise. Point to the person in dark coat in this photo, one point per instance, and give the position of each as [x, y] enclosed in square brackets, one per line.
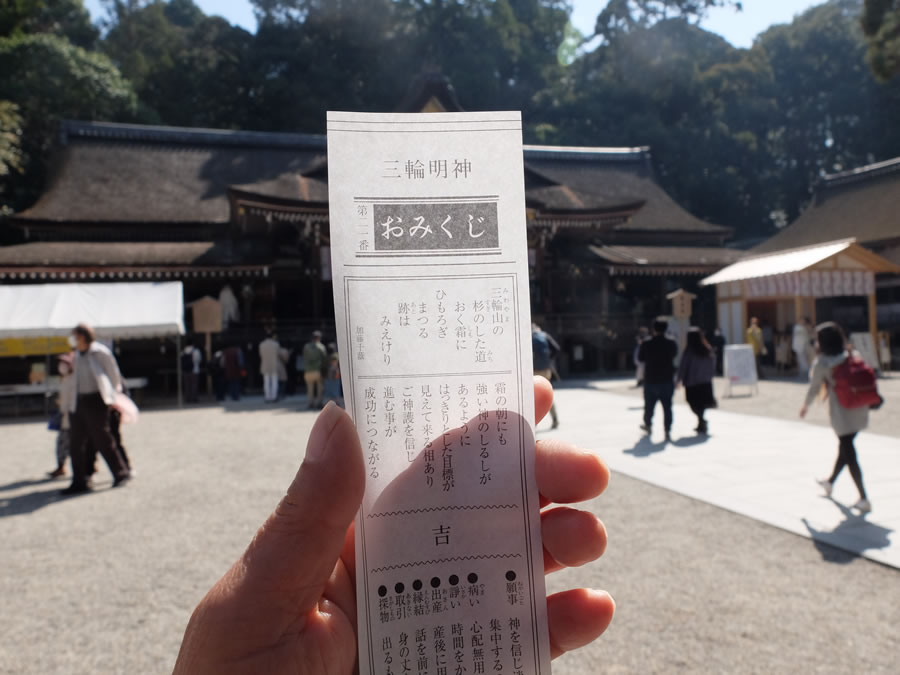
[695, 372]
[233, 365]
[658, 356]
[718, 344]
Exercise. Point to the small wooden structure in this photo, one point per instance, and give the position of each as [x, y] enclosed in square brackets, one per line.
[793, 280]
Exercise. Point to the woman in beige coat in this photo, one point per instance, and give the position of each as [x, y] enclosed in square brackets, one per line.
[832, 352]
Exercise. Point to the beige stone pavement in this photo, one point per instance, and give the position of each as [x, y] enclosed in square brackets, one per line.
[756, 466]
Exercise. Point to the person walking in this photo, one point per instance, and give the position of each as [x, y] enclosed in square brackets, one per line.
[97, 380]
[66, 392]
[695, 372]
[191, 360]
[642, 335]
[315, 359]
[800, 344]
[718, 344]
[658, 356]
[544, 348]
[269, 355]
[215, 369]
[233, 367]
[846, 422]
[754, 338]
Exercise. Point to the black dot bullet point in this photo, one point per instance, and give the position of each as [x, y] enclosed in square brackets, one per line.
[473, 578]
[417, 585]
[382, 591]
[399, 588]
[510, 576]
[454, 580]
[435, 582]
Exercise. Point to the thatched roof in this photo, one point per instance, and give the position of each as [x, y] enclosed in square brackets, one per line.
[610, 178]
[118, 173]
[863, 203]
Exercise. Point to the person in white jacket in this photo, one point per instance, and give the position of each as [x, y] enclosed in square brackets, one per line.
[801, 344]
[92, 390]
[269, 358]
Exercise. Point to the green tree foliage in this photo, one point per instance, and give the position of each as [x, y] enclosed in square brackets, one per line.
[67, 18]
[738, 136]
[10, 148]
[48, 79]
[881, 25]
[832, 114]
[310, 55]
[187, 68]
[621, 17]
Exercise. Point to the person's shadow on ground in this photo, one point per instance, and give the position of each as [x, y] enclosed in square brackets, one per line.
[646, 447]
[850, 538]
[28, 503]
[22, 483]
[688, 441]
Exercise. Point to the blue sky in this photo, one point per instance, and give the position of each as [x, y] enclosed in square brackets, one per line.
[739, 28]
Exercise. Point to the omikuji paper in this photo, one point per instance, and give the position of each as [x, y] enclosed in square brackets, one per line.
[430, 273]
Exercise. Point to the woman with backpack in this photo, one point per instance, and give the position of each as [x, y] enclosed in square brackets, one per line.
[696, 372]
[828, 372]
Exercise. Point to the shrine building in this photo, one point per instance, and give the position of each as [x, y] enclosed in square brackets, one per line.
[243, 215]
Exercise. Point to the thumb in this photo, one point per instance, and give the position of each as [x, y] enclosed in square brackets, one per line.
[295, 551]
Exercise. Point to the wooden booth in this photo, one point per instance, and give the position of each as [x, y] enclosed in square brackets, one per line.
[834, 281]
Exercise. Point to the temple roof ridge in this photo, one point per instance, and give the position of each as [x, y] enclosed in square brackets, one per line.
[169, 135]
[862, 172]
[587, 153]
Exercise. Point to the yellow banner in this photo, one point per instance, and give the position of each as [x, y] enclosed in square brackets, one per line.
[37, 346]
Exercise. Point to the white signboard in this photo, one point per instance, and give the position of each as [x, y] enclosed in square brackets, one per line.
[430, 270]
[740, 367]
[865, 345]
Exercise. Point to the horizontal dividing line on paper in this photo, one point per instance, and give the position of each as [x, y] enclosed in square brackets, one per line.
[406, 377]
[438, 264]
[491, 556]
[430, 254]
[419, 131]
[430, 509]
[338, 120]
[426, 199]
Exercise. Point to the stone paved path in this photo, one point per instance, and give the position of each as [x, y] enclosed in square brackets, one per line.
[758, 467]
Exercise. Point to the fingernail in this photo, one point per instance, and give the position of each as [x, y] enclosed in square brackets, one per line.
[321, 431]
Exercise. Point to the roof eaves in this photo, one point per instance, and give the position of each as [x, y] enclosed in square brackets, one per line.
[862, 172]
[568, 152]
[138, 133]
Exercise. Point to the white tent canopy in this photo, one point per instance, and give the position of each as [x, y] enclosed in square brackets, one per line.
[114, 310]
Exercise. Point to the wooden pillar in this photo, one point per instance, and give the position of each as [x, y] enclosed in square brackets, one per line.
[209, 384]
[178, 373]
[317, 275]
[745, 320]
[873, 318]
[604, 291]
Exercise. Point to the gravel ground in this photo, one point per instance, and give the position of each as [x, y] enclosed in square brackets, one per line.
[105, 583]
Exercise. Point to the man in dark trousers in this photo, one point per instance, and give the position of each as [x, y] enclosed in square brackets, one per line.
[96, 380]
[658, 356]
